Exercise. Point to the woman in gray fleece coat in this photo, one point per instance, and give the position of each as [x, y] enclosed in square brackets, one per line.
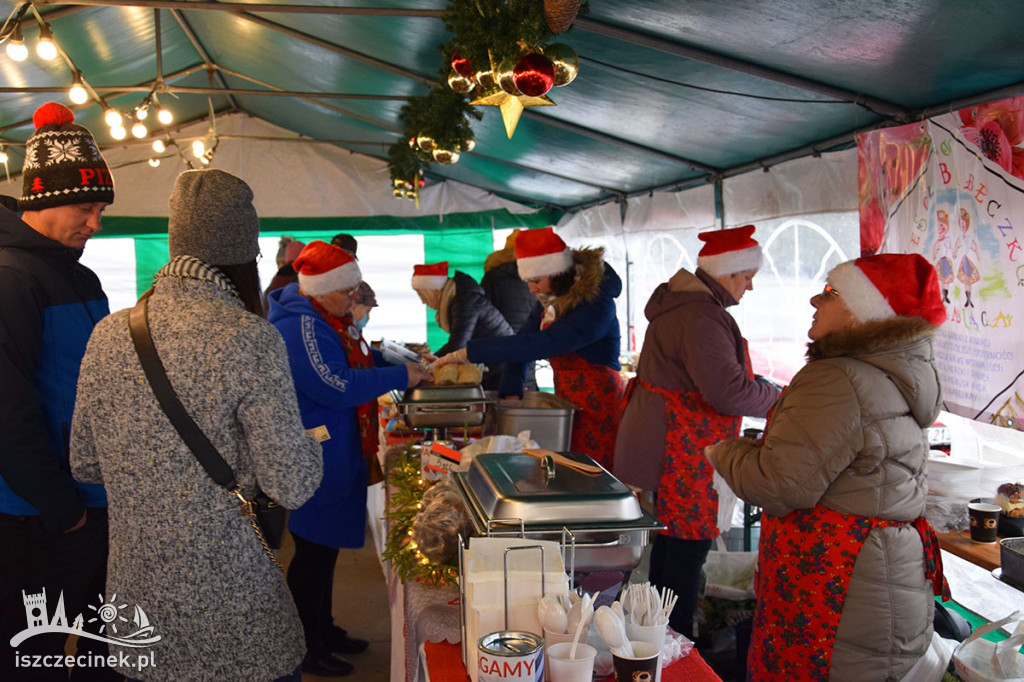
[848, 566]
[180, 547]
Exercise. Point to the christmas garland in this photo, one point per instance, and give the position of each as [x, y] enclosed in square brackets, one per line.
[406, 490]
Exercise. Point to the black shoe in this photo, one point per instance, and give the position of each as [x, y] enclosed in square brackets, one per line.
[326, 664]
[340, 642]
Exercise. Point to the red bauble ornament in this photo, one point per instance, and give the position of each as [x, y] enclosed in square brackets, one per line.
[534, 75]
[462, 65]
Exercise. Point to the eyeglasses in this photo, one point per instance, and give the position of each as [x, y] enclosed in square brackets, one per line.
[830, 290]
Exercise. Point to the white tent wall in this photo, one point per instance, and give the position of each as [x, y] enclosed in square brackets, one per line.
[806, 216]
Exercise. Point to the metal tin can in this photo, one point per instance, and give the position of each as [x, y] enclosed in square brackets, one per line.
[510, 656]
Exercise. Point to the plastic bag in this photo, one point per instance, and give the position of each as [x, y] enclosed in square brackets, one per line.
[495, 444]
[726, 502]
[730, 575]
[979, 660]
[440, 521]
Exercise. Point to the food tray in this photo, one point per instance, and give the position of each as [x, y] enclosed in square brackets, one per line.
[443, 406]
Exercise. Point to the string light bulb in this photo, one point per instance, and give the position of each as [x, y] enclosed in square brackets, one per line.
[16, 49]
[113, 118]
[205, 160]
[77, 93]
[118, 132]
[198, 149]
[3, 154]
[164, 116]
[46, 48]
[139, 130]
[154, 162]
[159, 147]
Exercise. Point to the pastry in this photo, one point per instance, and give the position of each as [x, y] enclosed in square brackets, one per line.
[470, 374]
[1010, 496]
[447, 375]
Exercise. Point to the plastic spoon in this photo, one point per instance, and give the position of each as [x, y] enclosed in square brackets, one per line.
[551, 614]
[586, 614]
[612, 631]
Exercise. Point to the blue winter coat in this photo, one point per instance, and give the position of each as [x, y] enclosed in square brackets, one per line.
[586, 324]
[329, 392]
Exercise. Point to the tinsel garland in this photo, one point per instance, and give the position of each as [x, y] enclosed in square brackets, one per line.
[406, 490]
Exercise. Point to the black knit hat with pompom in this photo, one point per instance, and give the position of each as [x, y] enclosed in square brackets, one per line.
[62, 163]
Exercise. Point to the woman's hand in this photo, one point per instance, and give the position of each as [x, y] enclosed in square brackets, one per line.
[456, 357]
[417, 373]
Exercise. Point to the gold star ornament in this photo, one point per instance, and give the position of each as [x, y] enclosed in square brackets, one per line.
[511, 106]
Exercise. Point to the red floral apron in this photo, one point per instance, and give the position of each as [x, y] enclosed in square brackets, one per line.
[805, 564]
[687, 501]
[597, 390]
[357, 351]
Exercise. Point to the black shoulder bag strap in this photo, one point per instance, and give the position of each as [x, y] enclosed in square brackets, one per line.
[189, 431]
[194, 438]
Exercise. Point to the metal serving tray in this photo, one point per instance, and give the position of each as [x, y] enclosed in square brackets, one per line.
[441, 406]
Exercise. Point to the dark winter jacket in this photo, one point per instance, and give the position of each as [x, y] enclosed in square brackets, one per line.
[511, 296]
[471, 316]
[49, 304]
[692, 345]
[586, 324]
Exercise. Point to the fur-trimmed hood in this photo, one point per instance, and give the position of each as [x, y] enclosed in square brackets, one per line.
[593, 279]
[901, 347]
[499, 257]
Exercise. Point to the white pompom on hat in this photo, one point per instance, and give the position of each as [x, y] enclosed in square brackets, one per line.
[430, 276]
[727, 252]
[323, 268]
[889, 285]
[541, 253]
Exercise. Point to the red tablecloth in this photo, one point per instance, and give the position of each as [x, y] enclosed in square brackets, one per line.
[444, 664]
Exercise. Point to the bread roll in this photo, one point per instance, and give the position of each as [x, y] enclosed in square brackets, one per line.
[447, 375]
[469, 374]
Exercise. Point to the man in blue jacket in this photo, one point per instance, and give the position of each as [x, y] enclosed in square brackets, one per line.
[53, 529]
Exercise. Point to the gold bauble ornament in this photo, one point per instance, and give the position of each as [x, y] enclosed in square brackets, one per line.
[425, 142]
[505, 74]
[460, 83]
[566, 61]
[445, 156]
[467, 145]
[485, 79]
[397, 192]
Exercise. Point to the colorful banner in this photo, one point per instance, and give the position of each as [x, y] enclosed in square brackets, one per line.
[952, 189]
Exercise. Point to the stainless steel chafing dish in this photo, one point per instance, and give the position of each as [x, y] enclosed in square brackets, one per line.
[443, 406]
[509, 493]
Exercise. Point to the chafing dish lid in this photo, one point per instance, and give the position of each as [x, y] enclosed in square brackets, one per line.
[445, 394]
[515, 486]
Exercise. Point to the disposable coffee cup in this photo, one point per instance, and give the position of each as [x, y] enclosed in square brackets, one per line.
[984, 518]
[642, 666]
[565, 669]
[652, 634]
[551, 639]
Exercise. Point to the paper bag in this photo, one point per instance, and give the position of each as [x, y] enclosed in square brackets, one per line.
[979, 660]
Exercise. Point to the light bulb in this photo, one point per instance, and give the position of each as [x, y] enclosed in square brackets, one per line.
[16, 49]
[154, 162]
[205, 161]
[198, 149]
[113, 118]
[45, 48]
[139, 130]
[142, 113]
[118, 132]
[3, 156]
[77, 93]
[164, 116]
[159, 147]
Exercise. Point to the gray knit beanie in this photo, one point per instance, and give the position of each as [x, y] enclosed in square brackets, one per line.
[212, 218]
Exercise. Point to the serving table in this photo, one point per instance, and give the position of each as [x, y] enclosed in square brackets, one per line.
[978, 553]
[442, 662]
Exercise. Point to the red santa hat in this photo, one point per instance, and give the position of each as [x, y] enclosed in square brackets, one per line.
[540, 253]
[888, 285]
[430, 276]
[727, 252]
[324, 268]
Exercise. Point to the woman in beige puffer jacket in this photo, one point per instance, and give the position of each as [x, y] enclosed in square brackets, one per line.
[841, 469]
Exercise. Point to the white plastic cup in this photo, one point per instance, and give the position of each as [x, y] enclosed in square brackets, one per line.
[642, 666]
[652, 634]
[565, 669]
[551, 638]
